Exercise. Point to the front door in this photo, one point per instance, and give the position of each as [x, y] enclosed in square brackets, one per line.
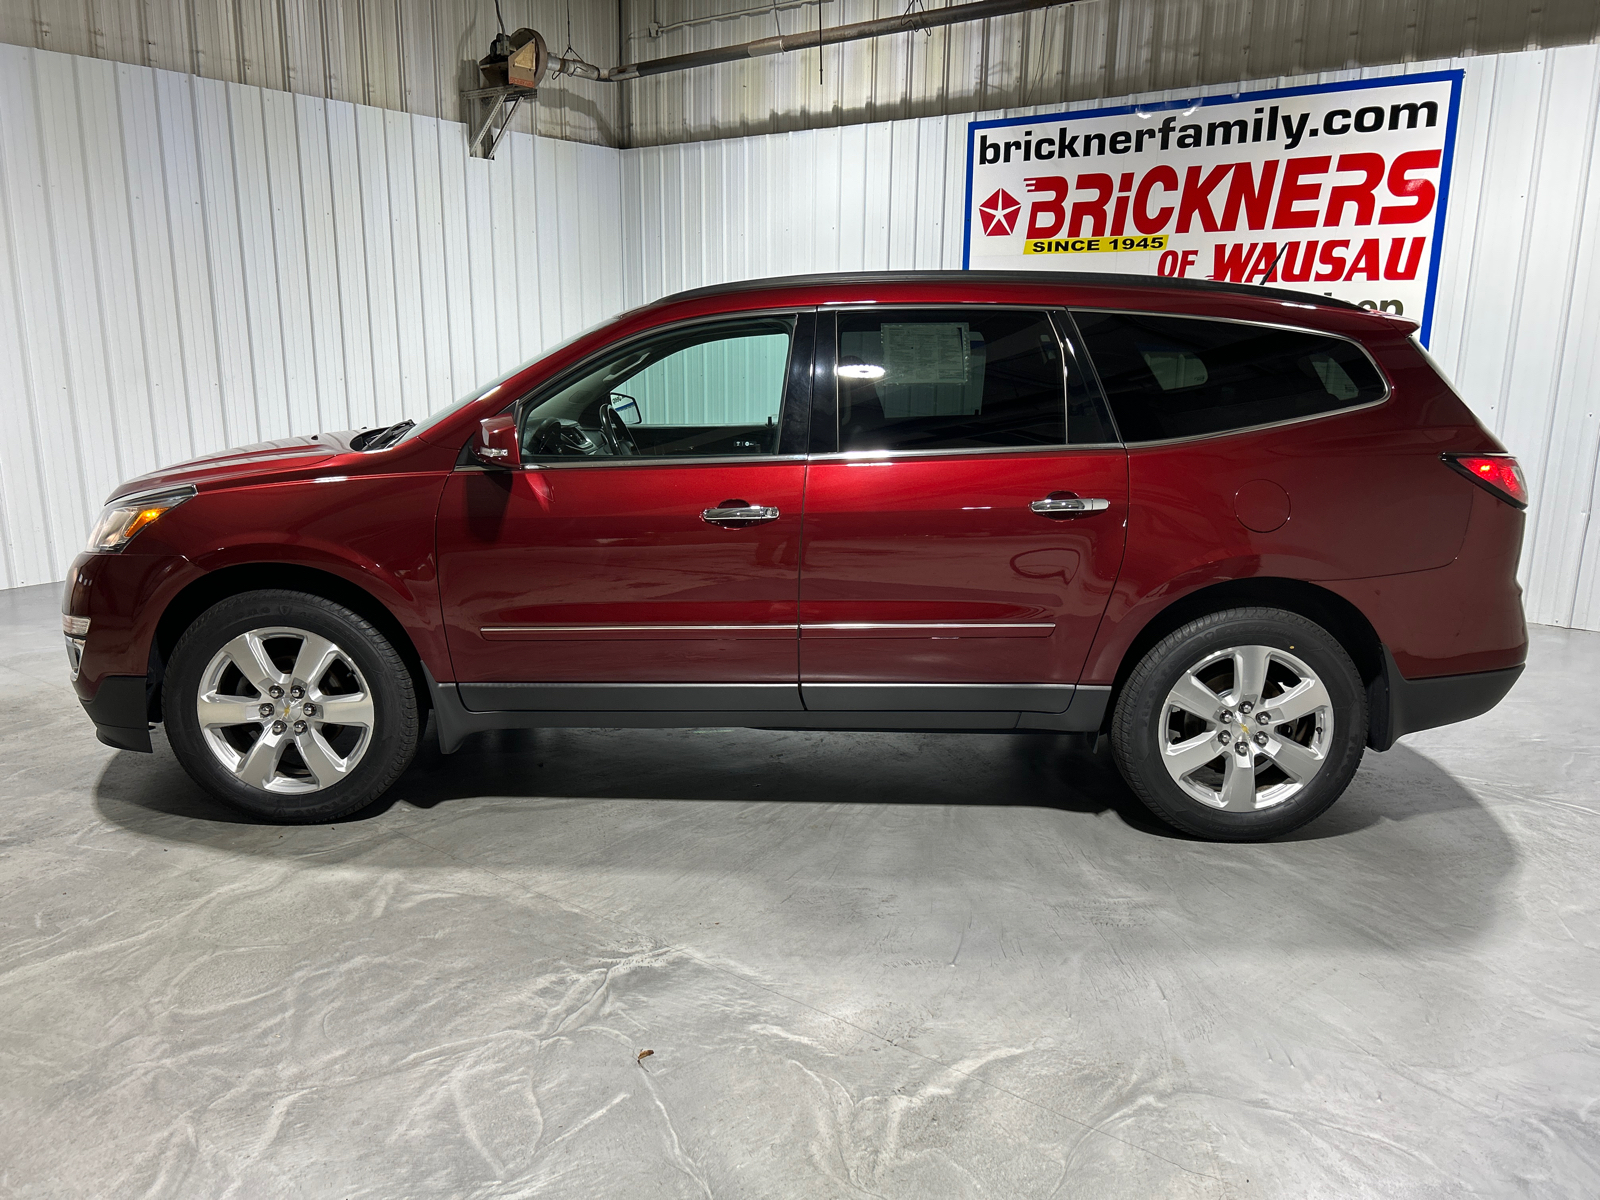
[964, 533]
[645, 556]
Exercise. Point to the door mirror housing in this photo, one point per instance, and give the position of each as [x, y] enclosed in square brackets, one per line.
[496, 443]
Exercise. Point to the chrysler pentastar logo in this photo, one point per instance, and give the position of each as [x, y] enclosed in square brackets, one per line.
[999, 214]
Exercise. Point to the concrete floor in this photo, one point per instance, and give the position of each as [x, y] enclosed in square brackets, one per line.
[867, 965]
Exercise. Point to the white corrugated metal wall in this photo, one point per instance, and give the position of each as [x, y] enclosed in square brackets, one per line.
[1519, 292]
[412, 55]
[187, 264]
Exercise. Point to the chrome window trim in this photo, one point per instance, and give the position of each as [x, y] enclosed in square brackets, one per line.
[860, 456]
[1221, 433]
[1388, 386]
[610, 463]
[871, 456]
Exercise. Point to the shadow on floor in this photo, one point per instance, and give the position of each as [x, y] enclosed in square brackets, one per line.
[1407, 859]
[1036, 771]
[1045, 771]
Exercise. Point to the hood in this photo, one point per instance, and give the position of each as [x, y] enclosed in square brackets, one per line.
[284, 456]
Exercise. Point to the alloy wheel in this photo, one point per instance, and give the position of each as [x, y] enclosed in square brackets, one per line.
[1246, 728]
[285, 710]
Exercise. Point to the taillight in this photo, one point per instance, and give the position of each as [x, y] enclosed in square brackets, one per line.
[1498, 473]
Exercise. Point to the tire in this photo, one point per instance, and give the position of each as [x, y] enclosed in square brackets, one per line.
[285, 757]
[1163, 726]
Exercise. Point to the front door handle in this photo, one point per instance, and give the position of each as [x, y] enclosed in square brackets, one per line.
[733, 514]
[1069, 506]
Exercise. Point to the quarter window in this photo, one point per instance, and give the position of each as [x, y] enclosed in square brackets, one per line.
[706, 390]
[936, 379]
[1173, 377]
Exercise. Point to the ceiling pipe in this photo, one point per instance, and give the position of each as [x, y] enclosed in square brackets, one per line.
[955, 14]
[656, 28]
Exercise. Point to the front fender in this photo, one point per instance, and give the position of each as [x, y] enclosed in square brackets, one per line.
[375, 533]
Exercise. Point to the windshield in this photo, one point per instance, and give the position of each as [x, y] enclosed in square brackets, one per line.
[443, 414]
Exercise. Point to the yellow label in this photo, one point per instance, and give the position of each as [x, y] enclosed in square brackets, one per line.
[1095, 245]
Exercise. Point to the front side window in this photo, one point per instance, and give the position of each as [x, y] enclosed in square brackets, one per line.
[945, 379]
[706, 390]
[1174, 377]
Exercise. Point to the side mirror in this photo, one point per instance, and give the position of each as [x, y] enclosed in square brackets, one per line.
[627, 408]
[496, 443]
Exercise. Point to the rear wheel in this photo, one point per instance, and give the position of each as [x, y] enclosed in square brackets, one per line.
[290, 706]
[1241, 725]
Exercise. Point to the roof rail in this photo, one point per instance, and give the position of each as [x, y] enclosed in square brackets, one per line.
[1068, 278]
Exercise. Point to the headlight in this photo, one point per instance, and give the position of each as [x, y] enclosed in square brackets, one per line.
[121, 521]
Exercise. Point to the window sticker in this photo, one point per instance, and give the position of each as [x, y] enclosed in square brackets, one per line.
[926, 353]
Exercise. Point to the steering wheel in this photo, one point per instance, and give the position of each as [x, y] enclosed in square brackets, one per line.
[614, 430]
[543, 437]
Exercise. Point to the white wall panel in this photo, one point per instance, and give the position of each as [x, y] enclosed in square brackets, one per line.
[411, 55]
[187, 264]
[1518, 320]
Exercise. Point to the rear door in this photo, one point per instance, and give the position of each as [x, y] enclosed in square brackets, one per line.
[646, 555]
[965, 513]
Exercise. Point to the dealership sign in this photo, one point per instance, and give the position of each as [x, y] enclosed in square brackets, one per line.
[1338, 188]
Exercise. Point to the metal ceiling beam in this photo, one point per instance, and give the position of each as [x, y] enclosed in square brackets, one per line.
[955, 14]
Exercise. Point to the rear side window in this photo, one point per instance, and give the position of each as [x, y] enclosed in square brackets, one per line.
[936, 379]
[1174, 377]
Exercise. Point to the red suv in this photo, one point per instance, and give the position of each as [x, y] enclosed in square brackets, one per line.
[1244, 533]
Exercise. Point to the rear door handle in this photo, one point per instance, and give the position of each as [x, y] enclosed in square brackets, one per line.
[1069, 506]
[731, 516]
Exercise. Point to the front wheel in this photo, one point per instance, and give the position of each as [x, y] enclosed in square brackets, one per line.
[290, 706]
[1241, 725]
